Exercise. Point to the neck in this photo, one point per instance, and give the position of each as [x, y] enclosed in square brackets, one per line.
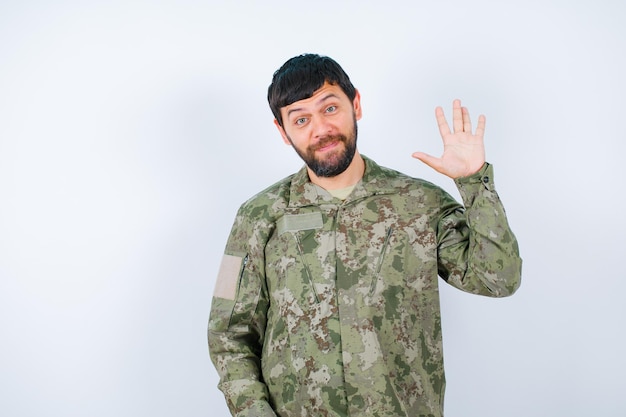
[350, 176]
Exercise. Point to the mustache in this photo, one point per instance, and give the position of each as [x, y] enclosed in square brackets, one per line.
[326, 140]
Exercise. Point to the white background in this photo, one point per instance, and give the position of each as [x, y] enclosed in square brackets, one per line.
[131, 131]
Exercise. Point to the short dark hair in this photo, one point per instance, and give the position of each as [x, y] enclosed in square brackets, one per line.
[301, 76]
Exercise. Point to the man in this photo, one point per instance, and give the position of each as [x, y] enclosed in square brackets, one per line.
[326, 302]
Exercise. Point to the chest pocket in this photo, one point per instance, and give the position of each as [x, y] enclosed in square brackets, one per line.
[372, 252]
[381, 247]
[295, 260]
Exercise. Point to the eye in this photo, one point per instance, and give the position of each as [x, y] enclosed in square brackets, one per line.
[331, 109]
[301, 121]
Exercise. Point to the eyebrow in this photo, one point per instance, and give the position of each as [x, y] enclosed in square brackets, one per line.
[323, 99]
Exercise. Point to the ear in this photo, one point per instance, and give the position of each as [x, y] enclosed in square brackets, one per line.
[282, 132]
[356, 103]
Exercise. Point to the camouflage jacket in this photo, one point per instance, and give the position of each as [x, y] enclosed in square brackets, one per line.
[325, 307]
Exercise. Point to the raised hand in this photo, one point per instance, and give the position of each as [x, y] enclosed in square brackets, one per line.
[463, 151]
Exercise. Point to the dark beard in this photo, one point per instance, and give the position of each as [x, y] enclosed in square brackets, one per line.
[335, 164]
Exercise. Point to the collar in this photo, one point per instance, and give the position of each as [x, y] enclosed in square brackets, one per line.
[376, 181]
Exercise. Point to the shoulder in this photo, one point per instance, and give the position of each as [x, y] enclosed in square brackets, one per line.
[386, 180]
[256, 217]
[268, 201]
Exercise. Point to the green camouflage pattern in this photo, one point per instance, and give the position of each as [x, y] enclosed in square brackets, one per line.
[336, 310]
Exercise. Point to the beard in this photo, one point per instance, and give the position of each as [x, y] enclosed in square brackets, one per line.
[334, 162]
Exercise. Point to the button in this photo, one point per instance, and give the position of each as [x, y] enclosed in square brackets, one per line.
[485, 179]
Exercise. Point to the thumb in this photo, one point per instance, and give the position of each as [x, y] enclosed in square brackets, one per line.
[431, 161]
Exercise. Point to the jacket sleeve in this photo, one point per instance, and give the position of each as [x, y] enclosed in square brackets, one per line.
[477, 251]
[237, 320]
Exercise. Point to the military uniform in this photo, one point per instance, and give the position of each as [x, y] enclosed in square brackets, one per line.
[326, 307]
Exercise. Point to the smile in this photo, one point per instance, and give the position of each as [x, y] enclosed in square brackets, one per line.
[328, 146]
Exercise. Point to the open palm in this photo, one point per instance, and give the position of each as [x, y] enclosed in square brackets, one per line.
[463, 151]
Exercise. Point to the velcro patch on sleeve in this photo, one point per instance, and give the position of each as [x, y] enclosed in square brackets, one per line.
[227, 277]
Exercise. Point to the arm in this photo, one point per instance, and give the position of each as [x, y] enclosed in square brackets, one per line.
[478, 251]
[237, 322]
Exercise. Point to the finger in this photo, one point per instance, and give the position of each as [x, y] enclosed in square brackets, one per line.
[444, 129]
[480, 128]
[431, 161]
[457, 116]
[467, 123]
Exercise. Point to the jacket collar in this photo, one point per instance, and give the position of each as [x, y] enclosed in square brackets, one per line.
[376, 180]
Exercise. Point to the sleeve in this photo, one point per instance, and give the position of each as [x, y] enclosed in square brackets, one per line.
[477, 251]
[237, 320]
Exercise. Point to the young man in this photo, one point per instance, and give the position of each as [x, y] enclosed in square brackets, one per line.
[326, 301]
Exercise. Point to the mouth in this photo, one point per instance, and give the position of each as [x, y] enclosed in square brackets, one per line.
[327, 145]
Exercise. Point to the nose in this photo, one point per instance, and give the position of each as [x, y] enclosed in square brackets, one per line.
[321, 127]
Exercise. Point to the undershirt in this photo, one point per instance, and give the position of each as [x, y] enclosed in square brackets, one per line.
[341, 193]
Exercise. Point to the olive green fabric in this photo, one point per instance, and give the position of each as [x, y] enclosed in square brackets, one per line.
[336, 311]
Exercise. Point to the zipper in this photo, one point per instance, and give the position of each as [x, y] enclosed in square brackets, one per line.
[236, 307]
[306, 268]
[381, 258]
[244, 262]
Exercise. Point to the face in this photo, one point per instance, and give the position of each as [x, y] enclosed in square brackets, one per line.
[323, 130]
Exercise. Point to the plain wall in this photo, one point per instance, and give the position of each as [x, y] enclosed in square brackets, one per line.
[131, 131]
